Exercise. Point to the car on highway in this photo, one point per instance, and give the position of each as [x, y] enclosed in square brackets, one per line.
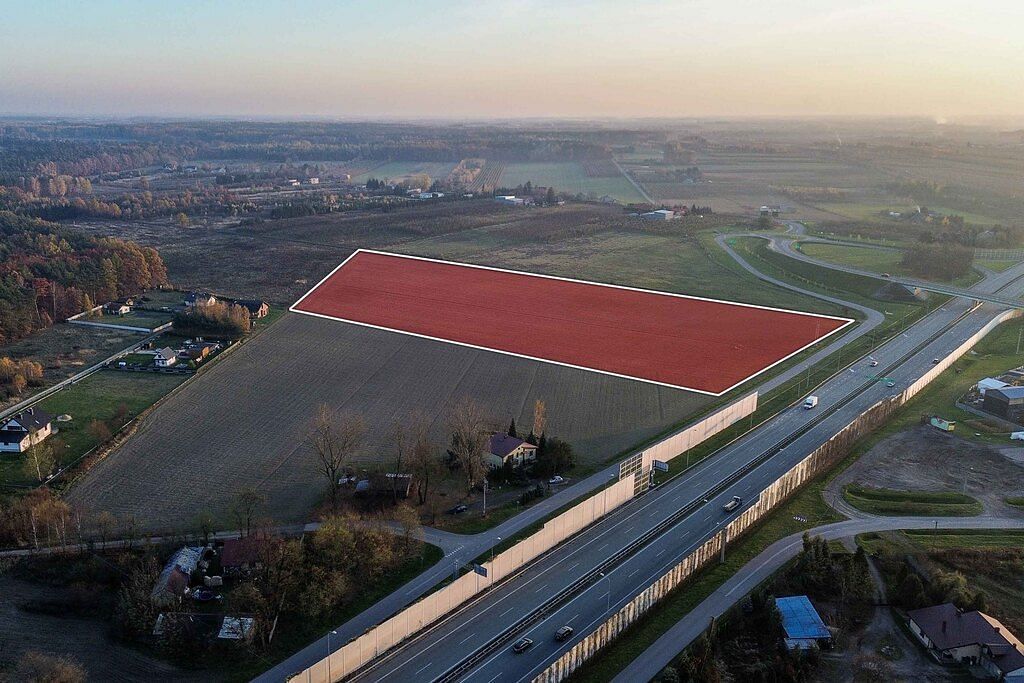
[873, 363]
[458, 509]
[556, 480]
[733, 504]
[935, 361]
[564, 633]
[522, 645]
[890, 384]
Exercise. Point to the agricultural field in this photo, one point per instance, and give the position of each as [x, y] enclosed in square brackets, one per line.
[399, 171]
[571, 177]
[242, 422]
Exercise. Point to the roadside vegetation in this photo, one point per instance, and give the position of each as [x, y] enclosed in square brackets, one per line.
[878, 501]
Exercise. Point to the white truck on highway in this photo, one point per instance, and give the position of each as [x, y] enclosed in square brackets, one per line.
[810, 402]
[733, 504]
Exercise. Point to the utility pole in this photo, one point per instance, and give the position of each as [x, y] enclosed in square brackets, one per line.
[1020, 331]
[485, 496]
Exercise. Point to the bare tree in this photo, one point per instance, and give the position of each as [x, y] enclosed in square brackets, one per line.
[424, 456]
[40, 459]
[245, 509]
[468, 426]
[540, 418]
[333, 441]
[401, 442]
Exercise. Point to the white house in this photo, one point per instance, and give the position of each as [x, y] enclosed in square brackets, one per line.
[509, 199]
[314, 181]
[504, 449]
[165, 357]
[23, 430]
[659, 215]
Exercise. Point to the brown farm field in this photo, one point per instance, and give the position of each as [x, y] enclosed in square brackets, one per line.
[242, 423]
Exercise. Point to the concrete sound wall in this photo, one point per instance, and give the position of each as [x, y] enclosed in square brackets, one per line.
[378, 640]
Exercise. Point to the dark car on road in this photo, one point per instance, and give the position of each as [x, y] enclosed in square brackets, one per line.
[564, 633]
[522, 645]
[458, 509]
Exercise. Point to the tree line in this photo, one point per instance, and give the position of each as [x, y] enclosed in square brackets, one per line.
[49, 273]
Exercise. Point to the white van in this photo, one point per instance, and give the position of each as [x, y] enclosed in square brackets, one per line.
[810, 402]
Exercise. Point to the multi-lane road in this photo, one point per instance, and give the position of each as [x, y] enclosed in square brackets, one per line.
[474, 643]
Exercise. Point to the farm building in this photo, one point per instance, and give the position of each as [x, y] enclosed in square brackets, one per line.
[972, 638]
[804, 628]
[659, 215]
[1007, 403]
[23, 430]
[990, 383]
[386, 484]
[510, 199]
[165, 357]
[508, 450]
[120, 307]
[240, 556]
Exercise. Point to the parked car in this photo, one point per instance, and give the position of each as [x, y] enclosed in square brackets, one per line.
[556, 480]
[458, 509]
[564, 633]
[522, 645]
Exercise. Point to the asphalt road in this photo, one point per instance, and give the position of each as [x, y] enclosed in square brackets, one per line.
[437, 651]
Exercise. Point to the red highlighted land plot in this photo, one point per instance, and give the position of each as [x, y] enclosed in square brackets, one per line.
[675, 340]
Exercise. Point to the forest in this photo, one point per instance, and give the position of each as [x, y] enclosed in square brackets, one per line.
[49, 273]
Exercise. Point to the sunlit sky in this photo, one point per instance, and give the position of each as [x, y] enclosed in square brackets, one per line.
[399, 59]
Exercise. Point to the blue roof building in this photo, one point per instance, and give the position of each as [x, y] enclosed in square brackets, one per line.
[804, 628]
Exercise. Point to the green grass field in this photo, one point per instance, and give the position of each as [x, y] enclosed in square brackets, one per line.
[998, 266]
[876, 260]
[879, 501]
[568, 177]
[934, 539]
[97, 397]
[397, 171]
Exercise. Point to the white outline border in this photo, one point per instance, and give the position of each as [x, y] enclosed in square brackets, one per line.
[294, 309]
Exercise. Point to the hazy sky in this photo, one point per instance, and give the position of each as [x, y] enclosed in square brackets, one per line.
[394, 58]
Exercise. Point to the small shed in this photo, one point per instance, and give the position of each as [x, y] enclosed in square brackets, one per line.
[802, 624]
[990, 383]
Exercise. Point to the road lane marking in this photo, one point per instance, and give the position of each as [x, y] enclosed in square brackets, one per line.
[573, 567]
[506, 611]
[425, 666]
[466, 638]
[661, 552]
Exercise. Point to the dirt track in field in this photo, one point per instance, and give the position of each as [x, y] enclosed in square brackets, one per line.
[242, 422]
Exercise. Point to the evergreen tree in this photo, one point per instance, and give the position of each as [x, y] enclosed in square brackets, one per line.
[512, 429]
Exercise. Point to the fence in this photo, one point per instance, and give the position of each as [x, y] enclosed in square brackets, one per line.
[378, 640]
[818, 461]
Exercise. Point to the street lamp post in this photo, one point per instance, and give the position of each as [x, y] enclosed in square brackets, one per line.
[330, 677]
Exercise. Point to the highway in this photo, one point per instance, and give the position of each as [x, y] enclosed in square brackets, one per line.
[473, 630]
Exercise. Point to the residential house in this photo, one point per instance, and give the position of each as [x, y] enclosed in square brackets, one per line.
[200, 299]
[972, 638]
[508, 450]
[117, 308]
[176, 576]
[659, 215]
[314, 181]
[165, 357]
[198, 351]
[257, 307]
[240, 556]
[509, 199]
[21, 431]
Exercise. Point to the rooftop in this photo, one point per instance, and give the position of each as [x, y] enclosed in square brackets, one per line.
[800, 620]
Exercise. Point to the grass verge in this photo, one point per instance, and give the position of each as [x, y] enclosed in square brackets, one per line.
[879, 501]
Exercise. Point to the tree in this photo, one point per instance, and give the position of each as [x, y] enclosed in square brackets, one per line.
[469, 440]
[551, 198]
[206, 525]
[333, 442]
[423, 457]
[512, 429]
[99, 431]
[40, 668]
[40, 458]
[409, 521]
[540, 418]
[245, 509]
[182, 220]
